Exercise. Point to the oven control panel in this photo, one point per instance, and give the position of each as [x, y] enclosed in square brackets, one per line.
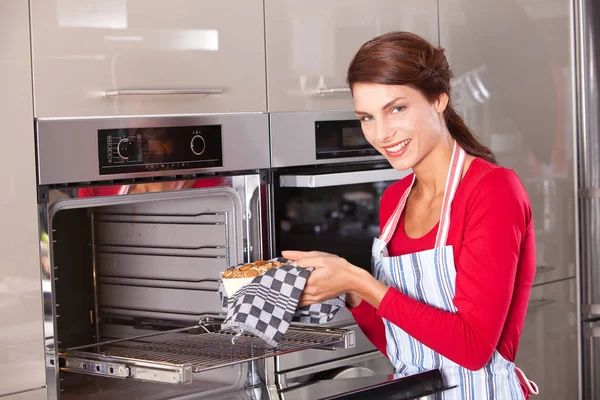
[131, 150]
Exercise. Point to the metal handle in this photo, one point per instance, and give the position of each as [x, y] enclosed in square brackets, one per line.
[152, 92]
[342, 178]
[323, 92]
[539, 303]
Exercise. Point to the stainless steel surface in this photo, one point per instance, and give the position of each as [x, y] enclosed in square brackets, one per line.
[299, 360]
[589, 177]
[21, 329]
[548, 345]
[309, 45]
[336, 364]
[67, 148]
[176, 355]
[342, 178]
[155, 92]
[293, 138]
[81, 50]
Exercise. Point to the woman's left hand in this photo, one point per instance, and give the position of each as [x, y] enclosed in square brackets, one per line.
[331, 277]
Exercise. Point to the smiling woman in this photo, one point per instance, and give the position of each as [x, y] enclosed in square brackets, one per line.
[455, 261]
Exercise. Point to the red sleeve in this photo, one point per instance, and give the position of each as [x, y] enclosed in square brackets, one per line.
[496, 221]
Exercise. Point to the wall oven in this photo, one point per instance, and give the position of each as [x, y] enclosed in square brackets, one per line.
[137, 218]
[325, 187]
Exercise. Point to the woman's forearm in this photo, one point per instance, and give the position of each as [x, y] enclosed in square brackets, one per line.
[365, 287]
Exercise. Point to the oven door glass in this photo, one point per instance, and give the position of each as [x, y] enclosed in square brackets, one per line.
[335, 212]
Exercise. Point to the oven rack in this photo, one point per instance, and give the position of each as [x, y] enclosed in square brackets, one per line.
[174, 356]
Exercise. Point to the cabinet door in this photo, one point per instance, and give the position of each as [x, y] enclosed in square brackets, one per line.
[548, 346]
[112, 57]
[513, 85]
[310, 44]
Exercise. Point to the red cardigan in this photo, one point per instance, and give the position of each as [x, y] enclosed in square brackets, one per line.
[492, 234]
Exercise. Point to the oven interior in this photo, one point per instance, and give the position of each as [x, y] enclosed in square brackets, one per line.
[338, 219]
[139, 265]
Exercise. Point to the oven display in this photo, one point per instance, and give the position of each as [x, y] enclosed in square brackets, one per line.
[166, 148]
[161, 147]
[341, 139]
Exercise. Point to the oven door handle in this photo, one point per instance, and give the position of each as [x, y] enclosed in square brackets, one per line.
[341, 178]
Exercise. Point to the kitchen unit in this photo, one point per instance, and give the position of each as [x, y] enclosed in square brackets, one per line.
[141, 57]
[125, 62]
[309, 45]
[513, 63]
[21, 332]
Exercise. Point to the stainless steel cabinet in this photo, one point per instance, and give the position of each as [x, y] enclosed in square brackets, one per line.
[512, 62]
[548, 348]
[310, 44]
[21, 335]
[141, 57]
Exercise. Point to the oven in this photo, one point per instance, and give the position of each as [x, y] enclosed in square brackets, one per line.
[325, 188]
[138, 216]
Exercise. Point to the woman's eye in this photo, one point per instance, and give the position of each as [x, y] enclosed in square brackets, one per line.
[396, 110]
[366, 118]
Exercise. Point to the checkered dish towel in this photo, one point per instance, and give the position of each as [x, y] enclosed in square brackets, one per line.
[268, 305]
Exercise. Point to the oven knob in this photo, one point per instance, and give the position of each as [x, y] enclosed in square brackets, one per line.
[127, 149]
[198, 145]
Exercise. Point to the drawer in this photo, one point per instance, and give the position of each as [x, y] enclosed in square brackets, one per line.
[311, 43]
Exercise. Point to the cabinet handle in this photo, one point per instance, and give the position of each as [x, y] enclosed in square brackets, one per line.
[152, 92]
[539, 303]
[323, 92]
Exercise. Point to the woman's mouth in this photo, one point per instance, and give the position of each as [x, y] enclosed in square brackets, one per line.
[397, 149]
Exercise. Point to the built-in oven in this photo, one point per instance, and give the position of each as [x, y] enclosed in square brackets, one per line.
[137, 218]
[325, 187]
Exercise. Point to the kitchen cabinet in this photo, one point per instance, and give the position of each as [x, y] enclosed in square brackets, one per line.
[548, 351]
[311, 43]
[22, 364]
[512, 62]
[147, 57]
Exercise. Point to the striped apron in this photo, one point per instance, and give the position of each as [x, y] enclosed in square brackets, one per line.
[429, 276]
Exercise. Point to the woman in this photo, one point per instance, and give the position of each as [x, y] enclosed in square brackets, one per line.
[455, 261]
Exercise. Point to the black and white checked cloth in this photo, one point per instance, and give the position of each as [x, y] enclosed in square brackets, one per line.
[268, 305]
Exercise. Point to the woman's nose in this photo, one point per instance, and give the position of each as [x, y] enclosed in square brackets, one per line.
[385, 133]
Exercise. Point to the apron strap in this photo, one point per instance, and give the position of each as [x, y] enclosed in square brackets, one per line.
[453, 179]
[454, 176]
[531, 386]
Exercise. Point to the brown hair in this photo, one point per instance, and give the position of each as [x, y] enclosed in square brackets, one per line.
[403, 58]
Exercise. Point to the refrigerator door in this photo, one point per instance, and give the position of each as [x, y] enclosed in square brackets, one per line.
[513, 68]
[589, 157]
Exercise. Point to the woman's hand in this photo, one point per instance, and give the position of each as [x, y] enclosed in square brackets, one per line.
[331, 277]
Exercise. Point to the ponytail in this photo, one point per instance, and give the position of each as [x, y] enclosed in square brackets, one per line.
[465, 137]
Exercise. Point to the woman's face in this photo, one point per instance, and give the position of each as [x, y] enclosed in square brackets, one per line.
[399, 121]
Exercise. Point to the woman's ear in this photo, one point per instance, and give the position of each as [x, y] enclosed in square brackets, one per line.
[441, 103]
